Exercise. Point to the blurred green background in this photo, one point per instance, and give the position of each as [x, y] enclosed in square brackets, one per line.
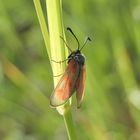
[111, 107]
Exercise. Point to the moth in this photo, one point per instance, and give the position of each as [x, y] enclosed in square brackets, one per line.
[73, 78]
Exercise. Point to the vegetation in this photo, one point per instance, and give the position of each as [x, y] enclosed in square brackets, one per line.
[111, 106]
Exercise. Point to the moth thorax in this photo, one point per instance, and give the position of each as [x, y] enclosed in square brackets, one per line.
[80, 59]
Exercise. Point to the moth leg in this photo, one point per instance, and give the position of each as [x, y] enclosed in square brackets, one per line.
[66, 43]
[58, 75]
[59, 61]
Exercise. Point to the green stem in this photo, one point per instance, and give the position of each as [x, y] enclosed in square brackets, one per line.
[43, 26]
[55, 31]
[58, 53]
[69, 125]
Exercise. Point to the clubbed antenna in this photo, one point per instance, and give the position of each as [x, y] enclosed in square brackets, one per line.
[88, 39]
[69, 29]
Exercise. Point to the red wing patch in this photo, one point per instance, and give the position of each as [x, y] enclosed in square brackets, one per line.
[80, 86]
[66, 85]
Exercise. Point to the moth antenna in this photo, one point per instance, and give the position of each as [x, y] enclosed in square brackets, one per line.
[69, 29]
[88, 39]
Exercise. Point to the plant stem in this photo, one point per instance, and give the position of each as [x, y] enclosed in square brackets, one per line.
[58, 53]
[69, 125]
[43, 26]
[55, 31]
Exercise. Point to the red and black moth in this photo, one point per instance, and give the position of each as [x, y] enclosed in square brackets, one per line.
[73, 78]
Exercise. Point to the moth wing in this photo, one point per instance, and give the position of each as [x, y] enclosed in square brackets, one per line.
[80, 86]
[66, 85]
